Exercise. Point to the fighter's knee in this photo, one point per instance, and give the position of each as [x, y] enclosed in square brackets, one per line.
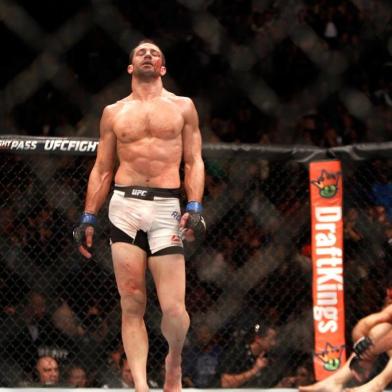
[174, 310]
[133, 303]
[357, 331]
[355, 334]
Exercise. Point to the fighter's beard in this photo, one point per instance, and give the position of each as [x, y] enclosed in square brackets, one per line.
[146, 75]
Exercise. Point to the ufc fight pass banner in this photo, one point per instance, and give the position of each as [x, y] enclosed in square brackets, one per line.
[326, 192]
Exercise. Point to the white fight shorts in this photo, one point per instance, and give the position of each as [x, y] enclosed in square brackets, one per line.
[147, 218]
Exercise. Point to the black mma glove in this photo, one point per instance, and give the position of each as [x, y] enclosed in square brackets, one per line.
[79, 232]
[196, 221]
[362, 345]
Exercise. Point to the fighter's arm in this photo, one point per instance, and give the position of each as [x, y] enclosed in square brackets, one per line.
[193, 174]
[379, 382]
[102, 173]
[98, 184]
[237, 380]
[370, 333]
[193, 162]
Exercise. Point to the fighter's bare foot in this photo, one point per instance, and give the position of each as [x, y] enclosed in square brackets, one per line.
[322, 386]
[142, 389]
[173, 374]
[371, 386]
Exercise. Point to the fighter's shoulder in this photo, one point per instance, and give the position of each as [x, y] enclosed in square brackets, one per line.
[108, 111]
[185, 103]
[177, 98]
[115, 106]
[112, 109]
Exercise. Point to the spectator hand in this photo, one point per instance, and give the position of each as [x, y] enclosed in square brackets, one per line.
[261, 361]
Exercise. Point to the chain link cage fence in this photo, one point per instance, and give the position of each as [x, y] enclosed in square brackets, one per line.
[254, 268]
[287, 62]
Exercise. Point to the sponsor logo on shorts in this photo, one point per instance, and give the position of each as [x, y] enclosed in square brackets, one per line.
[139, 192]
[176, 215]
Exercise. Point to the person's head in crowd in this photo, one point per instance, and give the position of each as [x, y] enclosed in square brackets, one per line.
[380, 214]
[115, 357]
[35, 308]
[76, 377]
[309, 129]
[303, 375]
[48, 371]
[203, 334]
[261, 337]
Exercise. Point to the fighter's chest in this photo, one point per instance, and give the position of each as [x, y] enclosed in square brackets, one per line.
[148, 120]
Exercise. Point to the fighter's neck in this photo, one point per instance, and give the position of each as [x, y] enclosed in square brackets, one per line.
[145, 90]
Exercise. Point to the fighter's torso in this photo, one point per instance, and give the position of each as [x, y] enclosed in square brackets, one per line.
[149, 141]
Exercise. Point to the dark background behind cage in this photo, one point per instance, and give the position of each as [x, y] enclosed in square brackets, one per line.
[254, 267]
[313, 72]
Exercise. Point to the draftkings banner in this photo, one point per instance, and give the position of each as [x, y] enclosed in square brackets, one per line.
[326, 192]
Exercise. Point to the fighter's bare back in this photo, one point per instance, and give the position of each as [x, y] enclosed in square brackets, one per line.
[149, 139]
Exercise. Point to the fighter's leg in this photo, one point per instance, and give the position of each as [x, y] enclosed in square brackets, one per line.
[379, 329]
[379, 382]
[381, 336]
[168, 272]
[129, 266]
[334, 383]
[375, 327]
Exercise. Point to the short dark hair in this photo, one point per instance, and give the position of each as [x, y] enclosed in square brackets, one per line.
[260, 329]
[146, 41]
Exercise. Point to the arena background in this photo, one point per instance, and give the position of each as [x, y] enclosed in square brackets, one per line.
[277, 84]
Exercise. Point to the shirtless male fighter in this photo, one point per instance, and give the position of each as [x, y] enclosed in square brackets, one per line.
[150, 132]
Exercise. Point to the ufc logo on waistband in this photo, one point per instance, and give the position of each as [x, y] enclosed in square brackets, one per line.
[139, 192]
